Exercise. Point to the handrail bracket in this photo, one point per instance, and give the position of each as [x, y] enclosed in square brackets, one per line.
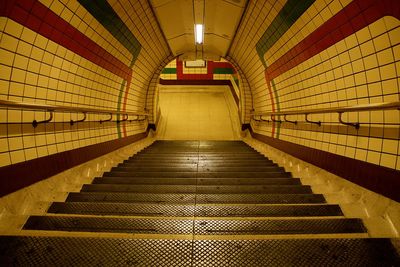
[35, 123]
[72, 122]
[260, 119]
[354, 124]
[290, 121]
[313, 122]
[273, 119]
[125, 118]
[111, 115]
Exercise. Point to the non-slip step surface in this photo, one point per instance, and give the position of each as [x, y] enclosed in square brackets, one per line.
[199, 189]
[193, 198]
[126, 209]
[67, 251]
[197, 181]
[110, 225]
[167, 163]
[193, 174]
[195, 168]
[131, 197]
[202, 156]
[200, 227]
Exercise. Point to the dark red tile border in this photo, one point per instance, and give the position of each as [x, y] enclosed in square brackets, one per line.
[211, 65]
[352, 18]
[382, 180]
[23, 174]
[37, 17]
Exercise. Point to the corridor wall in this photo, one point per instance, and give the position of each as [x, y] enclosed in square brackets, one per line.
[92, 54]
[320, 54]
[96, 54]
[325, 54]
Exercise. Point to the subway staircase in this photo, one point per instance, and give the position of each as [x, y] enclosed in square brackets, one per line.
[195, 203]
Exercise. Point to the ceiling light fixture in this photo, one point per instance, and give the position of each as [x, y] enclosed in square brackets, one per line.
[198, 32]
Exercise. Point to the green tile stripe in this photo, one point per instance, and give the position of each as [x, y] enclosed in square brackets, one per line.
[288, 15]
[236, 81]
[169, 71]
[121, 92]
[106, 16]
[223, 71]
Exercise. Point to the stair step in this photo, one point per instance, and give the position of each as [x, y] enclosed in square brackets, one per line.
[193, 174]
[193, 198]
[63, 251]
[249, 189]
[198, 149]
[197, 181]
[194, 168]
[200, 227]
[216, 162]
[200, 156]
[198, 163]
[128, 209]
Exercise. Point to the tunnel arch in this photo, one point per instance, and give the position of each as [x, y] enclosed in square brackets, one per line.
[245, 97]
[340, 53]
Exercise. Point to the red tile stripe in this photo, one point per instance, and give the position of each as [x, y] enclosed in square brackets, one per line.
[37, 17]
[211, 65]
[354, 17]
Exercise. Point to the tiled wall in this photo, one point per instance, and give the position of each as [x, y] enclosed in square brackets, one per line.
[214, 70]
[325, 53]
[98, 54]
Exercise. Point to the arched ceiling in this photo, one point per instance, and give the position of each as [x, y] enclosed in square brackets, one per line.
[178, 17]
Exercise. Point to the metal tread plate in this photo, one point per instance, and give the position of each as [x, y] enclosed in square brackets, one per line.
[197, 227]
[194, 174]
[195, 160]
[248, 174]
[115, 197]
[151, 164]
[268, 211]
[260, 198]
[295, 252]
[196, 181]
[130, 198]
[278, 227]
[197, 156]
[80, 251]
[110, 225]
[67, 251]
[200, 189]
[122, 209]
[160, 210]
[195, 168]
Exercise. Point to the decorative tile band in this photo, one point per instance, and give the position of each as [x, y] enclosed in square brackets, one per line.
[354, 17]
[106, 16]
[382, 180]
[20, 175]
[288, 15]
[290, 12]
[104, 13]
[37, 17]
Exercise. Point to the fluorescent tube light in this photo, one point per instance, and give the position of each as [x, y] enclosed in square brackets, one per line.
[198, 31]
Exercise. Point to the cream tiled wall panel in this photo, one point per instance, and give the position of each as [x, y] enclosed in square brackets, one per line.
[35, 69]
[362, 68]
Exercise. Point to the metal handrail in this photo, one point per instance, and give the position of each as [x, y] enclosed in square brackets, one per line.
[54, 108]
[338, 110]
